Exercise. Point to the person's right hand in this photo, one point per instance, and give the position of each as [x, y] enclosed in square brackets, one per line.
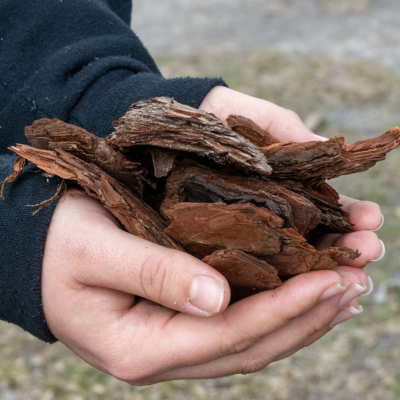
[93, 273]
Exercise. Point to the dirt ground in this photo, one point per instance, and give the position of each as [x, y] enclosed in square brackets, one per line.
[335, 64]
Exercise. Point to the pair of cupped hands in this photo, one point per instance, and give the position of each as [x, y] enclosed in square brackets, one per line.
[146, 314]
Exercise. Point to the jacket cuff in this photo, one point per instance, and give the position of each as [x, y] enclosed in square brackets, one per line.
[21, 252]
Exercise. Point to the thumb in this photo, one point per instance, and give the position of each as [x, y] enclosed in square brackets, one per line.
[168, 277]
[280, 122]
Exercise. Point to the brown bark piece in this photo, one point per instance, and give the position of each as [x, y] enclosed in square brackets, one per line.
[329, 254]
[364, 154]
[52, 134]
[304, 160]
[163, 161]
[296, 256]
[321, 160]
[162, 122]
[242, 269]
[197, 184]
[135, 215]
[19, 166]
[250, 130]
[326, 199]
[204, 228]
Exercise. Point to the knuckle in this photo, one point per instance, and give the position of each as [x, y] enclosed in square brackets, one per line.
[292, 114]
[77, 244]
[121, 374]
[155, 276]
[253, 364]
[236, 342]
[286, 314]
[133, 374]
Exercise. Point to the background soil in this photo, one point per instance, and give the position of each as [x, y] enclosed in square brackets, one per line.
[334, 62]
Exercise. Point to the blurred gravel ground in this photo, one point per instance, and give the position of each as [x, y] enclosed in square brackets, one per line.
[354, 96]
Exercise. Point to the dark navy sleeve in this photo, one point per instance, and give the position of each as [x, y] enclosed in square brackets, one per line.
[79, 61]
[23, 236]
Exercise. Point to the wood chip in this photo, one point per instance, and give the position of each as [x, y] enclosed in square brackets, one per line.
[163, 122]
[243, 270]
[135, 215]
[205, 228]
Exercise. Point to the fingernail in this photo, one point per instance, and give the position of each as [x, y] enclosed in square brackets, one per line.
[380, 226]
[352, 293]
[370, 287]
[207, 294]
[346, 314]
[332, 291]
[383, 252]
[324, 139]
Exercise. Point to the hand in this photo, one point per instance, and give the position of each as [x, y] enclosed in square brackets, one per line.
[92, 271]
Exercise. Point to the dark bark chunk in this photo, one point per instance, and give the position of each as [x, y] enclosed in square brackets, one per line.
[163, 161]
[162, 122]
[326, 199]
[198, 184]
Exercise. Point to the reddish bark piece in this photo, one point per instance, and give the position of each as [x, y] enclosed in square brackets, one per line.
[296, 256]
[250, 130]
[163, 122]
[326, 255]
[191, 182]
[205, 228]
[304, 160]
[52, 134]
[320, 160]
[136, 216]
[364, 154]
[243, 270]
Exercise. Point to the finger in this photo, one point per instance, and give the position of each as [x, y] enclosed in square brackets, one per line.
[281, 343]
[365, 242]
[348, 312]
[196, 340]
[364, 215]
[353, 275]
